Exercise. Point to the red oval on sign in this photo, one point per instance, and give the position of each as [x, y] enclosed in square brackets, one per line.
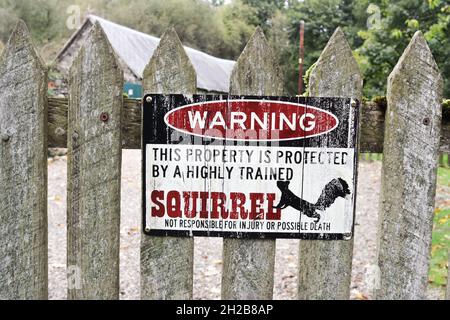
[251, 120]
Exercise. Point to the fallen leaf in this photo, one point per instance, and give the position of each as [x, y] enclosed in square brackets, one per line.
[434, 248]
[361, 296]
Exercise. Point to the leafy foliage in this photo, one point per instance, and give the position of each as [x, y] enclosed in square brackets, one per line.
[399, 20]
[378, 30]
[441, 236]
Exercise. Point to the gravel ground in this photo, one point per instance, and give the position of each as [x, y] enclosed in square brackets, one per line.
[208, 257]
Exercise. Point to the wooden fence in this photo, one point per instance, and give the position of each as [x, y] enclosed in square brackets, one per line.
[95, 123]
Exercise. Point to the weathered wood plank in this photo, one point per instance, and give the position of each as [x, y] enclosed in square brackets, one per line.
[248, 268]
[408, 182]
[94, 165]
[131, 124]
[57, 122]
[23, 170]
[371, 135]
[167, 263]
[325, 266]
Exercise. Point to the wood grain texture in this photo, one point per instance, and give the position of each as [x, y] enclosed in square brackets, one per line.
[167, 263]
[57, 122]
[371, 135]
[94, 164]
[325, 266]
[408, 182]
[371, 132]
[248, 268]
[23, 170]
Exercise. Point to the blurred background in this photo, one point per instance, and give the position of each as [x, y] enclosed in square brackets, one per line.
[378, 30]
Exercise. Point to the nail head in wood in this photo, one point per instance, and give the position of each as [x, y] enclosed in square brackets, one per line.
[104, 116]
[60, 131]
[5, 137]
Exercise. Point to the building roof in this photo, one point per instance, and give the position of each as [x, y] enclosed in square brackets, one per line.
[135, 49]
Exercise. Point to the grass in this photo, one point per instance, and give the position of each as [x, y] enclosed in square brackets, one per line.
[444, 177]
[441, 227]
[441, 237]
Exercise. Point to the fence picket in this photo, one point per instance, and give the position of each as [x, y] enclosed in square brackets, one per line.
[23, 170]
[167, 262]
[408, 182]
[94, 170]
[325, 266]
[248, 269]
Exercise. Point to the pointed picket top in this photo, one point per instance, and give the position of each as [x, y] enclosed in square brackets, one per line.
[167, 262]
[336, 73]
[21, 45]
[170, 70]
[23, 173]
[416, 60]
[96, 52]
[408, 182]
[256, 71]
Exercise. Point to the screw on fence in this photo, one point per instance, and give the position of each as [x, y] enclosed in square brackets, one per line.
[348, 236]
[104, 116]
[59, 131]
[93, 246]
[5, 137]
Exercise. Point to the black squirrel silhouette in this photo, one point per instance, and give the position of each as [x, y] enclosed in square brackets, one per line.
[333, 189]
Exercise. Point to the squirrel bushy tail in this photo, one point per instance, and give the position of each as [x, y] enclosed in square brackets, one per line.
[334, 189]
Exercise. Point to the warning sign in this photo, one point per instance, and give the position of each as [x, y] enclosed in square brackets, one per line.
[238, 166]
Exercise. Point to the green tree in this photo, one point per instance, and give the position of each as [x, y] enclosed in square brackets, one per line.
[193, 20]
[378, 30]
[237, 23]
[321, 17]
[384, 43]
[265, 11]
[39, 15]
